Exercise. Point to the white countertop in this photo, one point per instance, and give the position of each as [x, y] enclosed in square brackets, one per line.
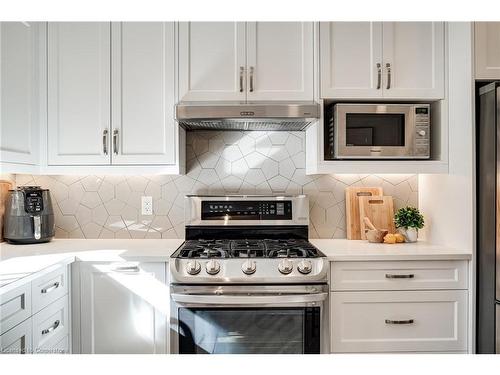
[20, 263]
[358, 250]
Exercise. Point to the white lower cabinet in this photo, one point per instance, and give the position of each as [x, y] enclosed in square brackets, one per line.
[124, 308]
[17, 340]
[396, 321]
[399, 306]
[50, 327]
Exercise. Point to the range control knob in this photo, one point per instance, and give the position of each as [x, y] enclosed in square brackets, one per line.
[422, 133]
[305, 267]
[248, 267]
[212, 267]
[285, 266]
[193, 267]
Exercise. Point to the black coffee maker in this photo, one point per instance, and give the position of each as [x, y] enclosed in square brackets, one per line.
[29, 217]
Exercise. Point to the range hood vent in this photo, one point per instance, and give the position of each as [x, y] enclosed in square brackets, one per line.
[247, 116]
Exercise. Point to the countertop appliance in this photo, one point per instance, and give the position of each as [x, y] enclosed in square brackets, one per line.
[246, 280]
[29, 217]
[488, 219]
[274, 116]
[378, 131]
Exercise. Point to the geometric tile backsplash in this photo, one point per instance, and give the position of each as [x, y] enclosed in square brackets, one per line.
[228, 162]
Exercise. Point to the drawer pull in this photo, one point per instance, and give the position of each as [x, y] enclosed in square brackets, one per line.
[408, 321]
[50, 288]
[126, 269]
[392, 276]
[51, 328]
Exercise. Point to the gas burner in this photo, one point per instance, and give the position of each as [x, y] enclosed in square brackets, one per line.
[204, 249]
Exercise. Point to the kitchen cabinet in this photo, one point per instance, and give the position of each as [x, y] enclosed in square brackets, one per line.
[21, 73]
[363, 60]
[18, 340]
[246, 61]
[79, 118]
[50, 327]
[486, 50]
[143, 125]
[399, 306]
[124, 308]
[111, 94]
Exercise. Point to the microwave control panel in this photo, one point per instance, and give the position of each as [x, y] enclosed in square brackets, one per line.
[422, 144]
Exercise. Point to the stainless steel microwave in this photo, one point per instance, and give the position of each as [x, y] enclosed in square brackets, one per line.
[378, 131]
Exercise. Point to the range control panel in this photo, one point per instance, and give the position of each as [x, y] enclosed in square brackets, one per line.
[246, 210]
[33, 201]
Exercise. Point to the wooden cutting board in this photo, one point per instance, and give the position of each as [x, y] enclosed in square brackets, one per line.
[353, 221]
[5, 186]
[380, 210]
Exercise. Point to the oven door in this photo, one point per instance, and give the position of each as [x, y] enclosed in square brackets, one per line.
[248, 319]
[374, 131]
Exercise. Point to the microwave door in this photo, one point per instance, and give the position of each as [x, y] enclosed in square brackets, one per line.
[374, 131]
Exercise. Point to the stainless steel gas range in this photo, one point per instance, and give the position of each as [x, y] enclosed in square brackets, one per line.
[246, 280]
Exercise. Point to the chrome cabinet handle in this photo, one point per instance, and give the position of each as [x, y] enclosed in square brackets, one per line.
[115, 141]
[251, 78]
[51, 328]
[126, 269]
[50, 288]
[379, 75]
[105, 141]
[388, 67]
[242, 71]
[392, 276]
[390, 321]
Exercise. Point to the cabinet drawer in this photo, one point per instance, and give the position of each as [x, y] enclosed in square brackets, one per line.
[15, 306]
[403, 321]
[17, 340]
[50, 287]
[50, 325]
[399, 275]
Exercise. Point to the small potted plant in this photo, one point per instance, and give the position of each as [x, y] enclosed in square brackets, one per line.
[408, 220]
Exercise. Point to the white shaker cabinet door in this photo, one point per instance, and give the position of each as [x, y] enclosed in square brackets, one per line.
[212, 61]
[487, 50]
[143, 125]
[351, 59]
[280, 59]
[18, 340]
[20, 68]
[413, 65]
[124, 308]
[79, 58]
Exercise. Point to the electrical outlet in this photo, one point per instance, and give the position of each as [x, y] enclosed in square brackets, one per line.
[147, 205]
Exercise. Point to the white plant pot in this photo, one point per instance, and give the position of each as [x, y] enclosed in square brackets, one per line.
[410, 234]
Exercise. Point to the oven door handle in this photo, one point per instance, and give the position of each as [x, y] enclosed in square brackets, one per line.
[233, 299]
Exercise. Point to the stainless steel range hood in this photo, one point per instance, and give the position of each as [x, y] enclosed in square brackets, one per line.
[246, 116]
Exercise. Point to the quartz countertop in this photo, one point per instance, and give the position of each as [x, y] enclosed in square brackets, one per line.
[21, 263]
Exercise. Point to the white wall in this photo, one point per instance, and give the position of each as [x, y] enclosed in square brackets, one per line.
[447, 201]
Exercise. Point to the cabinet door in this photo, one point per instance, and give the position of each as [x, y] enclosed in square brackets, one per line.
[20, 49]
[487, 50]
[143, 93]
[350, 59]
[212, 61]
[280, 59]
[17, 340]
[124, 308]
[413, 60]
[78, 93]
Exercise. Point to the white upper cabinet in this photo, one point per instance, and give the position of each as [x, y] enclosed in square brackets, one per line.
[246, 61]
[487, 50]
[280, 61]
[143, 125]
[351, 59]
[124, 308]
[413, 60]
[212, 61]
[363, 60]
[79, 59]
[20, 67]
